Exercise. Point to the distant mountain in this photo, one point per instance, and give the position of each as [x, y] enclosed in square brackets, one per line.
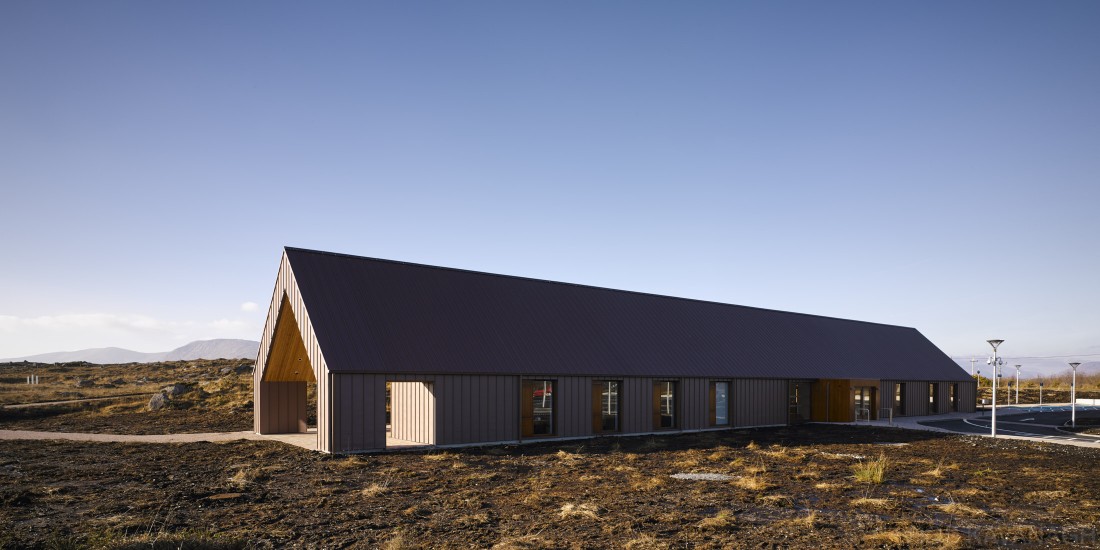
[201, 349]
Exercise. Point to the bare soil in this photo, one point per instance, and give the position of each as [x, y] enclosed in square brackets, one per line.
[791, 487]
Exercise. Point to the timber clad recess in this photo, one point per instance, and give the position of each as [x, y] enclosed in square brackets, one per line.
[475, 358]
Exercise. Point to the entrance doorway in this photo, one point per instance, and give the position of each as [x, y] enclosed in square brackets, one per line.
[411, 414]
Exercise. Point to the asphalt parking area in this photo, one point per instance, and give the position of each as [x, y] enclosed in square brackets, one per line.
[1044, 423]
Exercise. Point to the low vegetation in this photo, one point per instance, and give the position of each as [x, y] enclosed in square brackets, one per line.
[200, 396]
[794, 487]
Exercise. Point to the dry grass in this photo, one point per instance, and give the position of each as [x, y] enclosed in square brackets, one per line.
[590, 511]
[872, 471]
[752, 483]
[723, 520]
[645, 542]
[808, 521]
[245, 477]
[779, 501]
[397, 542]
[1045, 495]
[523, 542]
[440, 456]
[641, 483]
[873, 503]
[567, 456]
[375, 489]
[914, 538]
[473, 520]
[752, 446]
[827, 486]
[958, 509]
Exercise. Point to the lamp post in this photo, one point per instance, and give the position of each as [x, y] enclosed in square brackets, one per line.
[996, 362]
[972, 361]
[1073, 395]
[1040, 394]
[1017, 384]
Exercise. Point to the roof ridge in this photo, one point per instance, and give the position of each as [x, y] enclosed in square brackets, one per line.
[593, 287]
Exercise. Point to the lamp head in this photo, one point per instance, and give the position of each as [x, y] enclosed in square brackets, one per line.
[1074, 365]
[994, 343]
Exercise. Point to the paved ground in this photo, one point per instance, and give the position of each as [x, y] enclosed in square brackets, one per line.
[306, 440]
[1045, 423]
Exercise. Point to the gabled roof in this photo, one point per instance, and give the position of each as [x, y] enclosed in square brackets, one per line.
[383, 316]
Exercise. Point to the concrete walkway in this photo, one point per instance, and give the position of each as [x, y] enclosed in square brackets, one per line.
[307, 440]
[304, 440]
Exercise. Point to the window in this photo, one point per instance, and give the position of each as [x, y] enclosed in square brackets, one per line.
[537, 408]
[954, 397]
[719, 403]
[605, 406]
[664, 405]
[899, 398]
[933, 398]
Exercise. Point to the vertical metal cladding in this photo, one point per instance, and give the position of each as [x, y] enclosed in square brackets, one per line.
[286, 284]
[412, 412]
[283, 407]
[758, 402]
[476, 409]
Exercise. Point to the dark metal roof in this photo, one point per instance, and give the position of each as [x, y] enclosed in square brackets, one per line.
[384, 316]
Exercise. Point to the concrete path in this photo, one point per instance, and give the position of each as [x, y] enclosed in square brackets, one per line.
[304, 440]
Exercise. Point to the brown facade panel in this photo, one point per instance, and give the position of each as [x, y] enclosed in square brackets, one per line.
[359, 412]
[758, 402]
[477, 409]
[283, 407]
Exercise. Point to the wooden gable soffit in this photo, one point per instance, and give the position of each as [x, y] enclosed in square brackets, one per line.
[287, 360]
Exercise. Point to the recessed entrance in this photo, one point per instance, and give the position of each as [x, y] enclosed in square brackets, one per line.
[287, 392]
[412, 414]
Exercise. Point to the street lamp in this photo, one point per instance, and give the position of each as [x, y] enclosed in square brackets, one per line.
[1073, 395]
[1017, 384]
[1040, 394]
[996, 362]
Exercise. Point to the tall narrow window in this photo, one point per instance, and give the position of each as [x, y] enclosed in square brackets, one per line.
[932, 399]
[954, 397]
[537, 408]
[605, 406]
[664, 405]
[899, 398]
[719, 403]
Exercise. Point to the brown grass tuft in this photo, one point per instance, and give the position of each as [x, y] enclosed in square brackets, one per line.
[723, 520]
[872, 471]
[590, 511]
[957, 509]
[914, 538]
[872, 503]
[645, 542]
[752, 483]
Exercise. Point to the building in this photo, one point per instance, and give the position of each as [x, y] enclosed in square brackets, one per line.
[473, 357]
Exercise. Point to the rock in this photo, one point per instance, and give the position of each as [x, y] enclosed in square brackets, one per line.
[243, 369]
[225, 370]
[176, 390]
[84, 383]
[158, 402]
[118, 382]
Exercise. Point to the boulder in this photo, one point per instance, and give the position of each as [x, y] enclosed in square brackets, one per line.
[243, 369]
[84, 383]
[176, 390]
[158, 402]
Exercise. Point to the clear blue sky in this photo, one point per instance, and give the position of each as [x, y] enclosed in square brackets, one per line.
[928, 164]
